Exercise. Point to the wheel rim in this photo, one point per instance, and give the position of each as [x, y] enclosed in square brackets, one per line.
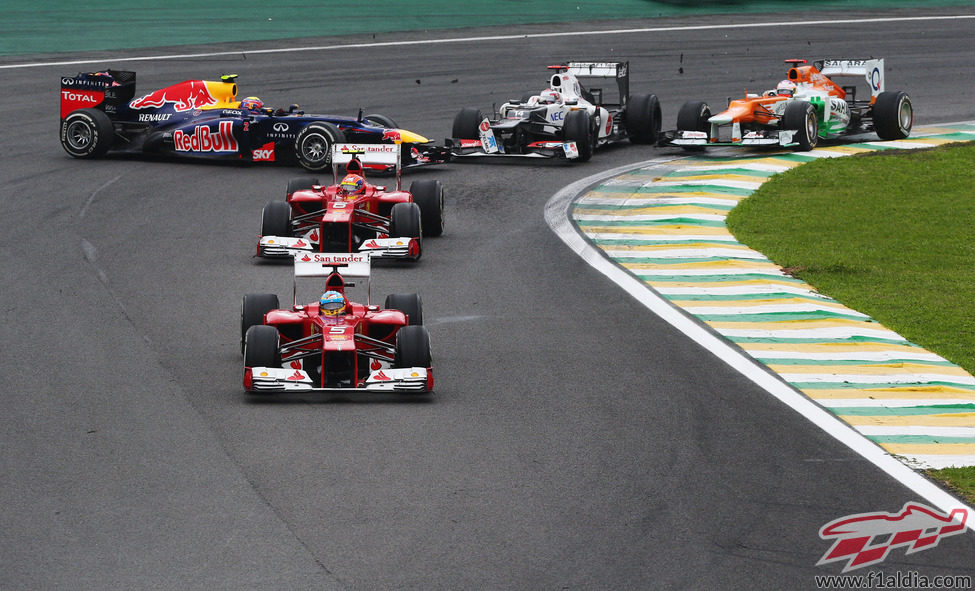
[906, 115]
[315, 148]
[811, 128]
[79, 135]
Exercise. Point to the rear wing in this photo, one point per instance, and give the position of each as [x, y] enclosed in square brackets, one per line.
[383, 156]
[872, 70]
[335, 267]
[620, 71]
[107, 91]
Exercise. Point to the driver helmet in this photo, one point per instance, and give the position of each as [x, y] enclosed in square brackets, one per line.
[331, 304]
[786, 88]
[549, 97]
[252, 103]
[352, 186]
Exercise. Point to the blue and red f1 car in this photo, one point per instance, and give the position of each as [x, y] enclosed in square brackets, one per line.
[101, 113]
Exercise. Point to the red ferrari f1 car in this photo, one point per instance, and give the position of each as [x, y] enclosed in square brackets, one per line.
[333, 344]
[354, 215]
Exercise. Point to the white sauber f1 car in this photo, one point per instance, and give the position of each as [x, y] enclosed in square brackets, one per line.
[569, 119]
[333, 344]
[817, 101]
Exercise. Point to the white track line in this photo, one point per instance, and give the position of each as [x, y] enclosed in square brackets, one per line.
[557, 212]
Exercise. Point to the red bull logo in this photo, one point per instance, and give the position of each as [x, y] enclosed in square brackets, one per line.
[392, 135]
[203, 139]
[192, 94]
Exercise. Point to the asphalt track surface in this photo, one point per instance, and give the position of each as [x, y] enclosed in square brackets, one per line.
[574, 442]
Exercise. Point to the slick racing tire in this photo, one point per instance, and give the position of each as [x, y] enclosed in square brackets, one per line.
[262, 347]
[87, 133]
[301, 183]
[893, 115]
[693, 116]
[380, 121]
[412, 347]
[801, 116]
[578, 128]
[429, 196]
[407, 303]
[276, 219]
[466, 124]
[252, 310]
[313, 146]
[643, 118]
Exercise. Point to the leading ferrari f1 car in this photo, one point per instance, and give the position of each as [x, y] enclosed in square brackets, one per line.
[809, 105]
[569, 119]
[354, 215]
[204, 119]
[333, 344]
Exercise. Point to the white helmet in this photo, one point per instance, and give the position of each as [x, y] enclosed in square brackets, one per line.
[549, 97]
[786, 88]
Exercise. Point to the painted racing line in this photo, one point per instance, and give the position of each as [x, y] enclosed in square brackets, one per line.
[661, 225]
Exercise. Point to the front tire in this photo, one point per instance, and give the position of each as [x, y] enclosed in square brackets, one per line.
[801, 117]
[643, 118]
[276, 219]
[405, 221]
[413, 347]
[893, 115]
[578, 128]
[301, 183]
[262, 347]
[693, 116]
[429, 196]
[313, 146]
[252, 310]
[466, 124]
[87, 133]
[380, 121]
[407, 303]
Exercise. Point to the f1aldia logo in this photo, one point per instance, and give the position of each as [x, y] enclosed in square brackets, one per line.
[866, 538]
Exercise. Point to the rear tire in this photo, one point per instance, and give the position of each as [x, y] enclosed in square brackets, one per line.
[578, 128]
[87, 133]
[276, 219]
[466, 124]
[407, 303]
[262, 347]
[413, 347]
[801, 116]
[693, 116]
[429, 196]
[893, 115]
[301, 183]
[313, 146]
[252, 310]
[643, 118]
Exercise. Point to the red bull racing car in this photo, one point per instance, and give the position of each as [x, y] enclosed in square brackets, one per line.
[100, 113]
[333, 344]
[354, 215]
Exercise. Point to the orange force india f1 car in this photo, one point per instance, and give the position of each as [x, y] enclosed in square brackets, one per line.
[809, 105]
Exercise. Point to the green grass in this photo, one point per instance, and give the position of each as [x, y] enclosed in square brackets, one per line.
[890, 234]
[959, 480]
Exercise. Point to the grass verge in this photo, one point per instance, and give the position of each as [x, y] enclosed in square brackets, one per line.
[890, 234]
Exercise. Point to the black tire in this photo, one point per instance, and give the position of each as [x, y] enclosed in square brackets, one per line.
[313, 146]
[252, 310]
[380, 121]
[405, 220]
[801, 116]
[466, 124]
[643, 118]
[276, 219]
[413, 347]
[262, 347]
[429, 196]
[578, 128]
[87, 133]
[301, 183]
[407, 303]
[893, 115]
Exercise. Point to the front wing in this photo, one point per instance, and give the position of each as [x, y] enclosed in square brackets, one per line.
[460, 148]
[389, 248]
[402, 379]
[771, 137]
